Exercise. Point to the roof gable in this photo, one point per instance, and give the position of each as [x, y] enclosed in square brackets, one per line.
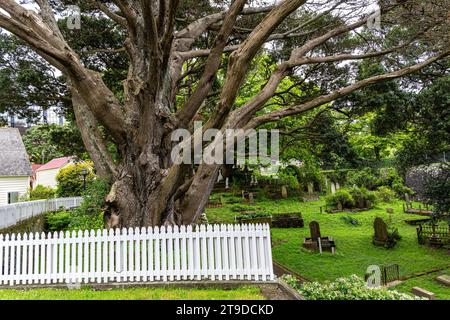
[13, 156]
[55, 164]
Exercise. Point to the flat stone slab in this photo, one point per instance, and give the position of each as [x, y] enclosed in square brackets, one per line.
[444, 279]
[423, 293]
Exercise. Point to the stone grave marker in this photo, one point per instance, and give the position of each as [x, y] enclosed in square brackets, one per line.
[381, 233]
[339, 206]
[284, 192]
[251, 198]
[444, 279]
[389, 210]
[314, 228]
[423, 293]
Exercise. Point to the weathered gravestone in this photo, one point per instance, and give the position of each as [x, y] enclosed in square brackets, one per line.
[444, 279]
[423, 293]
[314, 229]
[316, 241]
[389, 210]
[381, 234]
[251, 198]
[284, 192]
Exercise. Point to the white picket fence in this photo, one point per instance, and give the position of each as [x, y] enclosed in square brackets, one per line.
[11, 214]
[215, 252]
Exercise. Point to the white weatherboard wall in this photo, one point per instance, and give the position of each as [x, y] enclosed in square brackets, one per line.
[215, 252]
[12, 184]
[47, 178]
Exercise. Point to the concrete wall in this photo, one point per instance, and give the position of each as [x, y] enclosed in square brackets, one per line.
[12, 184]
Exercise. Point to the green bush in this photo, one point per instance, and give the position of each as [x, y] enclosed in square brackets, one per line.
[243, 207]
[254, 215]
[366, 178]
[385, 194]
[343, 196]
[393, 237]
[57, 221]
[41, 192]
[350, 220]
[346, 288]
[70, 179]
[362, 195]
[90, 213]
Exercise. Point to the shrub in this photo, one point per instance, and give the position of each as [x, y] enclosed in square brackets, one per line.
[90, 213]
[243, 207]
[362, 195]
[254, 215]
[349, 288]
[350, 220]
[41, 192]
[366, 178]
[70, 179]
[57, 221]
[393, 237]
[385, 194]
[343, 196]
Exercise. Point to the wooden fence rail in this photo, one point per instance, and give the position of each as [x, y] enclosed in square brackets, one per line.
[11, 214]
[214, 252]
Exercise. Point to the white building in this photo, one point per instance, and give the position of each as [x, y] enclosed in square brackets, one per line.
[15, 167]
[46, 174]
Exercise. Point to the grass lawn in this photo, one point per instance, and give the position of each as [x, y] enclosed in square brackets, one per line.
[243, 293]
[355, 251]
[429, 283]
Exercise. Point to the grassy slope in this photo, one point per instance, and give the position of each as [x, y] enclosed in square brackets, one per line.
[429, 283]
[355, 251]
[244, 293]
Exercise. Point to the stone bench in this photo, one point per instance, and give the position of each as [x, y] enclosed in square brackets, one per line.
[423, 293]
[444, 279]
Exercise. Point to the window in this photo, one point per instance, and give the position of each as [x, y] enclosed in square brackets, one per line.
[13, 197]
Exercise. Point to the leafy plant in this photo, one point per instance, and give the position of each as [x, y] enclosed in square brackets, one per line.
[243, 207]
[342, 196]
[90, 213]
[70, 179]
[393, 237]
[57, 221]
[362, 195]
[350, 220]
[349, 288]
[254, 215]
[41, 192]
[385, 194]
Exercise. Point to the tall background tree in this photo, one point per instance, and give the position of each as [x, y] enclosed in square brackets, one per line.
[167, 63]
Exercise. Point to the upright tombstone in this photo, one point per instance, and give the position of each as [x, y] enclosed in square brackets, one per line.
[227, 183]
[381, 234]
[284, 192]
[251, 198]
[316, 242]
[390, 210]
[314, 228]
[310, 189]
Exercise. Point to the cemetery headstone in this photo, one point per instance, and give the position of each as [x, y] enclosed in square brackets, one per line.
[284, 192]
[251, 198]
[389, 210]
[444, 279]
[423, 293]
[381, 233]
[314, 228]
[339, 206]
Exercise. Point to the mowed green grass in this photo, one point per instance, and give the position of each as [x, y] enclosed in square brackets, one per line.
[427, 282]
[243, 293]
[355, 251]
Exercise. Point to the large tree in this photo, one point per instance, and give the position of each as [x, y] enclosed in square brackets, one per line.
[205, 55]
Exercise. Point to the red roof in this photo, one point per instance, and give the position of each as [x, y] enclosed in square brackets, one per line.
[55, 164]
[35, 167]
